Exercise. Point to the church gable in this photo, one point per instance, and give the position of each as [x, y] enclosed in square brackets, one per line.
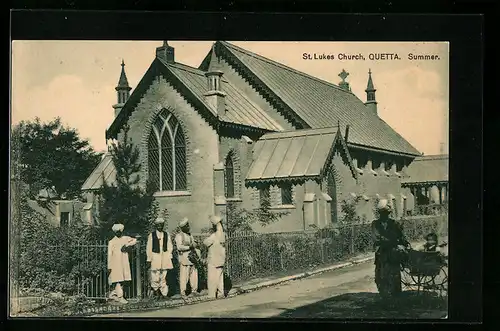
[158, 71]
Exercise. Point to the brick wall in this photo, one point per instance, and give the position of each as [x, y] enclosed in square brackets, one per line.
[202, 152]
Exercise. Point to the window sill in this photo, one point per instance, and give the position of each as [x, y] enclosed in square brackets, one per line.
[234, 200]
[281, 207]
[172, 194]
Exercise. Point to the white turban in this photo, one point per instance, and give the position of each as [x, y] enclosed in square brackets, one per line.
[383, 204]
[215, 219]
[183, 222]
[159, 220]
[117, 227]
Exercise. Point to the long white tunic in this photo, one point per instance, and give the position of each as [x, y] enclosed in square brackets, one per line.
[216, 248]
[162, 260]
[183, 242]
[118, 261]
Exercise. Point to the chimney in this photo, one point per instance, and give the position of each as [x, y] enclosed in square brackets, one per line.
[215, 97]
[165, 52]
[346, 136]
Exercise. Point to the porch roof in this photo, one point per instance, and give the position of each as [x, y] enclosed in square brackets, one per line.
[291, 155]
[428, 169]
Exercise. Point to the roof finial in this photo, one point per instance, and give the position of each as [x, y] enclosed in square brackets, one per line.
[343, 84]
[343, 75]
[165, 43]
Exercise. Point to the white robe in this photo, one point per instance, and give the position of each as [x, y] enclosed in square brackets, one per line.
[118, 261]
[162, 260]
[216, 248]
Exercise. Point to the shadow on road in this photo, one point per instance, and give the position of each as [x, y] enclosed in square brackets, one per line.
[368, 305]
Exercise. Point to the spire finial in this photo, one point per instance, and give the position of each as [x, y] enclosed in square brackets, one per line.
[213, 66]
[123, 63]
[369, 86]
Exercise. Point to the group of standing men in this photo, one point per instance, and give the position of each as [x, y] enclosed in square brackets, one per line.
[159, 254]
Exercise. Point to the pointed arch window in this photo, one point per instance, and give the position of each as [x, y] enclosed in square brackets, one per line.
[229, 176]
[167, 154]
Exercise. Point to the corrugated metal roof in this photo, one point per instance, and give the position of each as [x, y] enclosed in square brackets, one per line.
[321, 104]
[105, 168]
[239, 109]
[294, 154]
[431, 168]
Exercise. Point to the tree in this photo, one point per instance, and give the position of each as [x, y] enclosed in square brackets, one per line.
[348, 208]
[240, 219]
[125, 201]
[52, 156]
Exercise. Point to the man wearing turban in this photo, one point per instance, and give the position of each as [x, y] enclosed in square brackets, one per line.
[118, 262]
[389, 244]
[216, 258]
[159, 257]
[186, 244]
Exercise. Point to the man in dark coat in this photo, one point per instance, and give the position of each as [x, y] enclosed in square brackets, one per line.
[389, 251]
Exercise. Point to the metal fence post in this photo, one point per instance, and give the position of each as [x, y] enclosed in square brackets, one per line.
[138, 278]
[352, 238]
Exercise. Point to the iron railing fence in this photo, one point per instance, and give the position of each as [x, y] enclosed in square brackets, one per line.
[249, 254]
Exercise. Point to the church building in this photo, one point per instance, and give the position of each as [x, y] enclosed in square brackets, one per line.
[242, 128]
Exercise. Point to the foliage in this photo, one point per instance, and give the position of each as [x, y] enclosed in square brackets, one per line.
[375, 207]
[126, 201]
[240, 219]
[52, 156]
[49, 259]
[348, 208]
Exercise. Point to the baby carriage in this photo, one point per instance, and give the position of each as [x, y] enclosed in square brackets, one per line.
[425, 271]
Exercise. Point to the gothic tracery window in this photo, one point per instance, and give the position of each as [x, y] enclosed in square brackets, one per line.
[167, 154]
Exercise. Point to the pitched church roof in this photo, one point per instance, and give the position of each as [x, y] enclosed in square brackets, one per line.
[239, 109]
[295, 155]
[428, 169]
[105, 170]
[306, 101]
[192, 84]
[312, 102]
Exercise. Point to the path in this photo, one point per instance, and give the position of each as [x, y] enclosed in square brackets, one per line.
[343, 293]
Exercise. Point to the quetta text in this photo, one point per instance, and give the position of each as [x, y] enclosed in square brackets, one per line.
[370, 56]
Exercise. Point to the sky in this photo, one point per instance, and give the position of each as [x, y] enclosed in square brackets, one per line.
[75, 80]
